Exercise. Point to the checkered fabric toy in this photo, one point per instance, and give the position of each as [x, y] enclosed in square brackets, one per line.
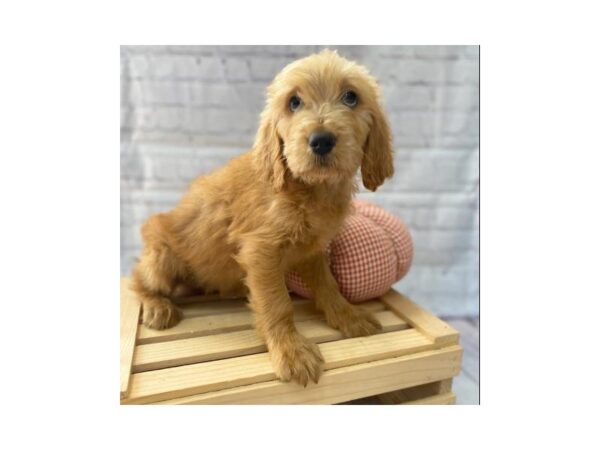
[372, 252]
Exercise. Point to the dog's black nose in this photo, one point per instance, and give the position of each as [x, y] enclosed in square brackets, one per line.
[321, 142]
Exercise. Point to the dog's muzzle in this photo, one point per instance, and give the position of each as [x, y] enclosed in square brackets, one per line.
[321, 142]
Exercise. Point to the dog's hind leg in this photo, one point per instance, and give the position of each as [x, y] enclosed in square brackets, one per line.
[156, 276]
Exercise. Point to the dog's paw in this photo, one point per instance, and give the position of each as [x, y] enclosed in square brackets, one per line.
[354, 322]
[297, 359]
[160, 314]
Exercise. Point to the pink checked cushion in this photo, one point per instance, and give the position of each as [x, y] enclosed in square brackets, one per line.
[372, 251]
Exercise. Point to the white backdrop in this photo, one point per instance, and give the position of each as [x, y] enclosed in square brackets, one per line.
[186, 110]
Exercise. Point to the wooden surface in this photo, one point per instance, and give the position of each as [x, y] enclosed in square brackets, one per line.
[130, 311]
[214, 356]
[340, 385]
[465, 385]
[423, 320]
[224, 322]
[244, 370]
[209, 348]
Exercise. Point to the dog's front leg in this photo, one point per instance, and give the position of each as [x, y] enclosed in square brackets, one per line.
[294, 357]
[339, 313]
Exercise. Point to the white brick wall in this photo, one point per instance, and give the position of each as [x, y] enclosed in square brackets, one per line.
[187, 110]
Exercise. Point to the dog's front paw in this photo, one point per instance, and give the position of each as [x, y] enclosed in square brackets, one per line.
[354, 322]
[298, 359]
[160, 314]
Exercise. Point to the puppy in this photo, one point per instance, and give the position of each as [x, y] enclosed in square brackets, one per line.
[274, 209]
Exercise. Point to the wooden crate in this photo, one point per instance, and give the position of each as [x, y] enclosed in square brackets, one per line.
[213, 356]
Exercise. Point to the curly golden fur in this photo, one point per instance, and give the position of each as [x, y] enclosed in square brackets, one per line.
[274, 209]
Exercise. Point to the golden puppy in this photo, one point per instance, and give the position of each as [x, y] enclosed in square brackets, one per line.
[274, 209]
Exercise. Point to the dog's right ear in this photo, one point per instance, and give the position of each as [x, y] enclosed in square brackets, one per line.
[268, 156]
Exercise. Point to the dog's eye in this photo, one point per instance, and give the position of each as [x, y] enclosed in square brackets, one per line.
[349, 98]
[295, 103]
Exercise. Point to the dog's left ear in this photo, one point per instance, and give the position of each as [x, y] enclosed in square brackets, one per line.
[377, 163]
[268, 155]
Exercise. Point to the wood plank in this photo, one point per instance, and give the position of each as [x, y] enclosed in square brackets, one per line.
[439, 399]
[416, 393]
[130, 312]
[202, 298]
[225, 323]
[440, 332]
[197, 326]
[192, 379]
[231, 305]
[209, 348]
[213, 307]
[343, 384]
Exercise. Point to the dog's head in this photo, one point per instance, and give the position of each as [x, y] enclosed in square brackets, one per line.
[323, 120]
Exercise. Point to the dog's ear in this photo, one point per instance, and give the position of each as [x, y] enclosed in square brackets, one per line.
[377, 163]
[268, 154]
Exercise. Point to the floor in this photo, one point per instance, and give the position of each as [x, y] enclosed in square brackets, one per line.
[466, 385]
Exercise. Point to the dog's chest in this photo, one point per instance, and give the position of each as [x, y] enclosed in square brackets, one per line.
[315, 225]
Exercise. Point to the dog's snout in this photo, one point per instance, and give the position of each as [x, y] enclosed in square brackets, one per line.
[321, 142]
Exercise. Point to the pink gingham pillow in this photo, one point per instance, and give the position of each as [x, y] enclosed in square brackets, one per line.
[372, 251]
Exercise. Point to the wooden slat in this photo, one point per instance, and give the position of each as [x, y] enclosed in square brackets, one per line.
[209, 308]
[343, 384]
[437, 330]
[209, 348]
[130, 311]
[185, 300]
[224, 323]
[439, 399]
[214, 375]
[209, 325]
[181, 301]
[231, 305]
[416, 393]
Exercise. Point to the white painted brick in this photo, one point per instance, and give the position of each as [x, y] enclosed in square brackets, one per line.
[455, 123]
[244, 121]
[169, 118]
[166, 169]
[411, 123]
[457, 97]
[296, 51]
[139, 66]
[402, 141]
[192, 50]
[175, 67]
[266, 68]
[457, 141]
[130, 238]
[463, 71]
[394, 51]
[213, 94]
[145, 117]
[126, 117]
[218, 121]
[438, 51]
[159, 92]
[251, 95]
[195, 120]
[399, 98]
[237, 69]
[211, 68]
[471, 52]
[415, 71]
